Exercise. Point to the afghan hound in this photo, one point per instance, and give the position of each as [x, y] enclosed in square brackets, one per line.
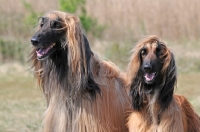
[152, 78]
[83, 93]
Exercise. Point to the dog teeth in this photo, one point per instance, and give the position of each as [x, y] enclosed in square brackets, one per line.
[52, 45]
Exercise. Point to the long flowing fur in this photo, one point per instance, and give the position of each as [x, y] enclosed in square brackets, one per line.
[156, 108]
[83, 93]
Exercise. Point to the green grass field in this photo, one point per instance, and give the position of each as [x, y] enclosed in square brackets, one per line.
[22, 104]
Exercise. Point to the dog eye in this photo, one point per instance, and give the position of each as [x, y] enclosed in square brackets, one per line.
[41, 24]
[143, 53]
[55, 25]
[42, 21]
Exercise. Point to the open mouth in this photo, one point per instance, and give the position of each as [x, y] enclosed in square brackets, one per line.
[43, 53]
[149, 77]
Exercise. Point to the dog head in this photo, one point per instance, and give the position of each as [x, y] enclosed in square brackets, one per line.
[152, 67]
[61, 49]
[151, 59]
[55, 31]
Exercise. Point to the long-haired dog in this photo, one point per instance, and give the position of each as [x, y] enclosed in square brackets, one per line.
[83, 93]
[152, 78]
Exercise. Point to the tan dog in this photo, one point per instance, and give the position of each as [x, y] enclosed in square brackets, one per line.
[152, 78]
[83, 93]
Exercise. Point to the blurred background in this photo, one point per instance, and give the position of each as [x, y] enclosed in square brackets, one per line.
[112, 26]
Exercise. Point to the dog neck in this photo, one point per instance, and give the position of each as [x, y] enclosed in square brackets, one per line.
[152, 107]
[147, 96]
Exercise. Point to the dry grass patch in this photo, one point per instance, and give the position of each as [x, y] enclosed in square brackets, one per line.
[189, 85]
[21, 103]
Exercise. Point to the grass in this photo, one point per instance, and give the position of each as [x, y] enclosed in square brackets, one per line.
[22, 104]
[13, 50]
[188, 85]
[168, 18]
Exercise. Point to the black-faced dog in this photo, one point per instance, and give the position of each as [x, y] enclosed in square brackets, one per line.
[83, 93]
[152, 78]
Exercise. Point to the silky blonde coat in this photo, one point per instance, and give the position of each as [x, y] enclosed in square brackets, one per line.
[89, 96]
[160, 110]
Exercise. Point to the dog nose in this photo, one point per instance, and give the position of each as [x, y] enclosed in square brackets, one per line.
[34, 41]
[147, 67]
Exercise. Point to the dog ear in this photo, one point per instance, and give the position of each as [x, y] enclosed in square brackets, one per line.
[91, 86]
[136, 81]
[168, 83]
[80, 54]
[73, 32]
[136, 93]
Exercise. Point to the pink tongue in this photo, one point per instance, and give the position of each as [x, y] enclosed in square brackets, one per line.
[149, 76]
[42, 51]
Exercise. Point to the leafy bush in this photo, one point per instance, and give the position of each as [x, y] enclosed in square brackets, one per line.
[77, 6]
[32, 17]
[71, 5]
